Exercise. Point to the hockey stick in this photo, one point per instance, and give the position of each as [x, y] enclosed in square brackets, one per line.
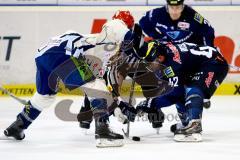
[234, 67]
[22, 101]
[135, 138]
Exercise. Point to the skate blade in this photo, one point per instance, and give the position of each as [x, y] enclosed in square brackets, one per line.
[196, 137]
[3, 137]
[103, 143]
[157, 131]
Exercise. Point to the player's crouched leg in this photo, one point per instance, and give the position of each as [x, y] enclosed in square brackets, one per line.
[30, 112]
[104, 136]
[85, 124]
[183, 117]
[23, 121]
[192, 131]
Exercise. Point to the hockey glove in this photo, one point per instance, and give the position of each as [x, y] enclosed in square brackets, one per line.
[128, 110]
[155, 116]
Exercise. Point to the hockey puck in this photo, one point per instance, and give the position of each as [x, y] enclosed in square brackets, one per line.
[135, 138]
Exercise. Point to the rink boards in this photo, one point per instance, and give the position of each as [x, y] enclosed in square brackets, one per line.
[29, 90]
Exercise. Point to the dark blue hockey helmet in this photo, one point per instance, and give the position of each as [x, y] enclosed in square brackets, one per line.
[175, 2]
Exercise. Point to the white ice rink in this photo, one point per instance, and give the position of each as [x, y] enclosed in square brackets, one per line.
[51, 138]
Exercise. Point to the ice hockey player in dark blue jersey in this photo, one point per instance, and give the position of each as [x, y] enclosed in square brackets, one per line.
[78, 61]
[183, 61]
[177, 23]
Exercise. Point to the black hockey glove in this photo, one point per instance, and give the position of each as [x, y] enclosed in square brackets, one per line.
[155, 116]
[128, 110]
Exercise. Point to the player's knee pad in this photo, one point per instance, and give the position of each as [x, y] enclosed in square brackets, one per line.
[194, 93]
[98, 103]
[194, 102]
[42, 101]
[97, 89]
[99, 108]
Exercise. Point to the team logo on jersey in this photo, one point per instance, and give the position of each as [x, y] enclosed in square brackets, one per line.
[198, 18]
[208, 80]
[168, 72]
[176, 53]
[183, 25]
[173, 34]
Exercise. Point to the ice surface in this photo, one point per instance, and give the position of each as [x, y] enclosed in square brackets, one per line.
[51, 138]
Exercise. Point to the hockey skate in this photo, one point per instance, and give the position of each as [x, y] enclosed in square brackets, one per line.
[15, 130]
[176, 126]
[190, 133]
[85, 124]
[184, 120]
[156, 119]
[105, 137]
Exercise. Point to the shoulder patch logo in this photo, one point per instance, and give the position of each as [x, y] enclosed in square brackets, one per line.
[198, 18]
[168, 72]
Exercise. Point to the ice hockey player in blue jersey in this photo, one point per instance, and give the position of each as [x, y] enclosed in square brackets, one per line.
[183, 61]
[177, 23]
[78, 61]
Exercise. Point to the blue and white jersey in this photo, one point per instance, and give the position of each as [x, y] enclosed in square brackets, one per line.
[96, 49]
[77, 59]
[60, 50]
[190, 27]
[66, 44]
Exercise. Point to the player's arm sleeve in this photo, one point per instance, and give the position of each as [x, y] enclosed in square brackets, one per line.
[208, 34]
[147, 24]
[206, 31]
[202, 27]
